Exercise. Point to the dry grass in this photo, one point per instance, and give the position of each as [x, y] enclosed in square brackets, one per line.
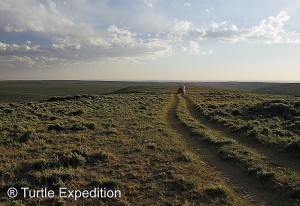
[119, 140]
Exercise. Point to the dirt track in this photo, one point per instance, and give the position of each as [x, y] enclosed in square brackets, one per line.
[281, 159]
[241, 182]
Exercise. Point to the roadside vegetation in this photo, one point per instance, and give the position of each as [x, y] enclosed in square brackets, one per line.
[230, 150]
[25, 91]
[117, 141]
[268, 119]
[125, 140]
[280, 89]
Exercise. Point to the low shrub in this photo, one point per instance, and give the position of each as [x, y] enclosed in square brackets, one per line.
[217, 192]
[56, 127]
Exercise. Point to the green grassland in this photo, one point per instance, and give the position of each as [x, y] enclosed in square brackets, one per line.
[255, 87]
[273, 120]
[245, 86]
[251, 161]
[280, 89]
[23, 91]
[119, 135]
[116, 141]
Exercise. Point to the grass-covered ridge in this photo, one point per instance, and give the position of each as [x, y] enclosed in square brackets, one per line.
[230, 150]
[119, 141]
[131, 139]
[280, 89]
[273, 120]
[24, 91]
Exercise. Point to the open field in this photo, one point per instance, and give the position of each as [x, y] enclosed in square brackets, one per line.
[24, 91]
[256, 163]
[281, 89]
[267, 119]
[208, 147]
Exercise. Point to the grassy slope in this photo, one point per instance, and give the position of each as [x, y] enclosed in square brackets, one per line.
[268, 119]
[257, 87]
[115, 141]
[230, 150]
[22, 91]
[283, 89]
[246, 86]
[118, 139]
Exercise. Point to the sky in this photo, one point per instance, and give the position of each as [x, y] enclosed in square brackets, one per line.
[197, 40]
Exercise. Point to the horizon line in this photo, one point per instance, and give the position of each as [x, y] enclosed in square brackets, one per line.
[163, 81]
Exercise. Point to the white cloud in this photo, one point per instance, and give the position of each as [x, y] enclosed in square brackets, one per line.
[148, 3]
[16, 48]
[121, 36]
[72, 37]
[268, 31]
[179, 29]
[16, 61]
[21, 62]
[39, 16]
[80, 32]
[119, 43]
[98, 41]
[65, 43]
[193, 48]
[147, 48]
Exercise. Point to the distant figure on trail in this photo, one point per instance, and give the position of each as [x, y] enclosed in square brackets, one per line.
[181, 90]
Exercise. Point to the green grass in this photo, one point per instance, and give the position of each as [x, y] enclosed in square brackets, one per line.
[269, 119]
[24, 91]
[85, 134]
[230, 150]
[280, 89]
[119, 141]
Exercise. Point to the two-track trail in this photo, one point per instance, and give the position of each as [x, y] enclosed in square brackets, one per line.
[281, 159]
[240, 182]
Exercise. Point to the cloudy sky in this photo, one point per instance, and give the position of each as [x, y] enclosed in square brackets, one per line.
[150, 40]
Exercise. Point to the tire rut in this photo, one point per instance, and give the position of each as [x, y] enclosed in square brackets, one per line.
[280, 159]
[240, 181]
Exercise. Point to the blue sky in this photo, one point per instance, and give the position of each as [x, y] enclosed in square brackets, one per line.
[150, 40]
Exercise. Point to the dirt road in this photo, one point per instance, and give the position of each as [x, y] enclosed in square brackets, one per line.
[243, 184]
[281, 159]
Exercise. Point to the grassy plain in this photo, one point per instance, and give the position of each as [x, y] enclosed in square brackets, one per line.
[280, 89]
[269, 119]
[24, 91]
[118, 141]
[120, 136]
[248, 159]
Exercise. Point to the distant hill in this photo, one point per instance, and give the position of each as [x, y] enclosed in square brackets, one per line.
[246, 86]
[24, 91]
[283, 89]
[257, 87]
